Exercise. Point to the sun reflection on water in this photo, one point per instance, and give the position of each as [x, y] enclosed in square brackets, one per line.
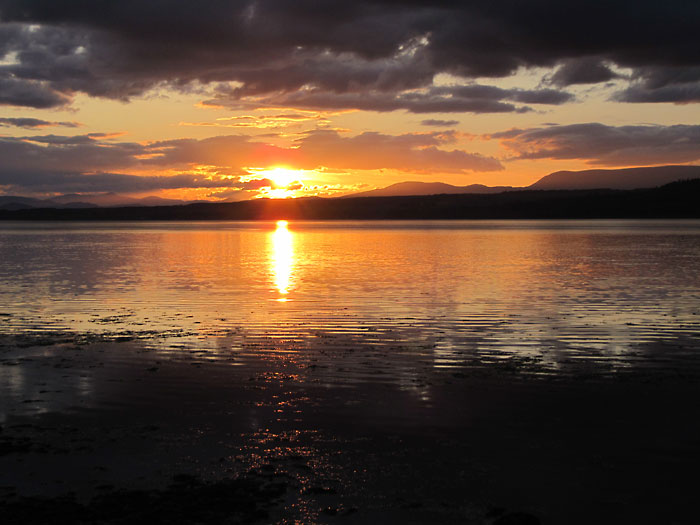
[282, 259]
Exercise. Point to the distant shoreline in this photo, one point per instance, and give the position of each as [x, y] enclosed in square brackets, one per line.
[676, 200]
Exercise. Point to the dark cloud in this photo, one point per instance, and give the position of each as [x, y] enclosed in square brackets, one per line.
[587, 70]
[51, 153]
[437, 122]
[336, 73]
[43, 182]
[255, 184]
[29, 93]
[340, 51]
[679, 85]
[232, 195]
[30, 123]
[599, 144]
[472, 98]
[481, 92]
[675, 94]
[74, 140]
[76, 183]
[409, 152]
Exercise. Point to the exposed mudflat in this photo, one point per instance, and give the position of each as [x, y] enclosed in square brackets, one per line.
[116, 431]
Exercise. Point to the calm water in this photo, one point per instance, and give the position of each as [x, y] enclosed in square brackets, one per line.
[421, 372]
[554, 292]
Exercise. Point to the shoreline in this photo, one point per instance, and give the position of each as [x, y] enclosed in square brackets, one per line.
[674, 200]
[464, 444]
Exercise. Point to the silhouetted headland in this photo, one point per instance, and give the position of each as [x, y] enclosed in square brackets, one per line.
[674, 200]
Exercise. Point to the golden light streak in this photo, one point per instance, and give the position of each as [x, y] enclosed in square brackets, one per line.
[282, 259]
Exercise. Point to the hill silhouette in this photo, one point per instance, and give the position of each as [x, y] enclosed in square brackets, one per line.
[76, 200]
[427, 188]
[620, 179]
[628, 178]
[675, 200]
[614, 179]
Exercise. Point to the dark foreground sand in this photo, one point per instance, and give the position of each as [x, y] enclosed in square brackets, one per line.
[139, 428]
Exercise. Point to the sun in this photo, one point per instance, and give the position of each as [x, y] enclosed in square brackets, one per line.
[282, 177]
[284, 182]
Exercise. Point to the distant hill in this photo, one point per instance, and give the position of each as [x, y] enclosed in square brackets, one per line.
[615, 179]
[76, 200]
[618, 179]
[14, 202]
[427, 188]
[114, 199]
[675, 200]
[11, 202]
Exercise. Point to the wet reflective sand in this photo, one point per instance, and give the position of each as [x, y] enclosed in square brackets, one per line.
[376, 372]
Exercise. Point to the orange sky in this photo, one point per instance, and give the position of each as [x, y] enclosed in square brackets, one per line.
[307, 120]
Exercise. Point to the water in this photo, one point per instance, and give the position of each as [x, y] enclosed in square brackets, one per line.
[392, 361]
[554, 291]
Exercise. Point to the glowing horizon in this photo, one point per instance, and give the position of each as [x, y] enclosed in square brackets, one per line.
[229, 118]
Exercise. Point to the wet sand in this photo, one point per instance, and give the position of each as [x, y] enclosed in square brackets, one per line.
[124, 427]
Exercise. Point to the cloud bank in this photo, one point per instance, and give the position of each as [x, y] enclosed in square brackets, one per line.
[33, 123]
[603, 145]
[366, 54]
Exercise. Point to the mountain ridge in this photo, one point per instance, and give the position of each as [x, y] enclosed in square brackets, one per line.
[613, 179]
[402, 189]
[94, 200]
[674, 200]
[616, 179]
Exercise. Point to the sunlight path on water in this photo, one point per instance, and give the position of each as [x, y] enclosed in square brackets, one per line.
[557, 295]
[282, 258]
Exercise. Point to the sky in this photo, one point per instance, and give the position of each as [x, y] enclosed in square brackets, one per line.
[231, 100]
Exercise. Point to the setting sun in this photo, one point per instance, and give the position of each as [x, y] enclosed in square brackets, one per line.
[282, 177]
[285, 182]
